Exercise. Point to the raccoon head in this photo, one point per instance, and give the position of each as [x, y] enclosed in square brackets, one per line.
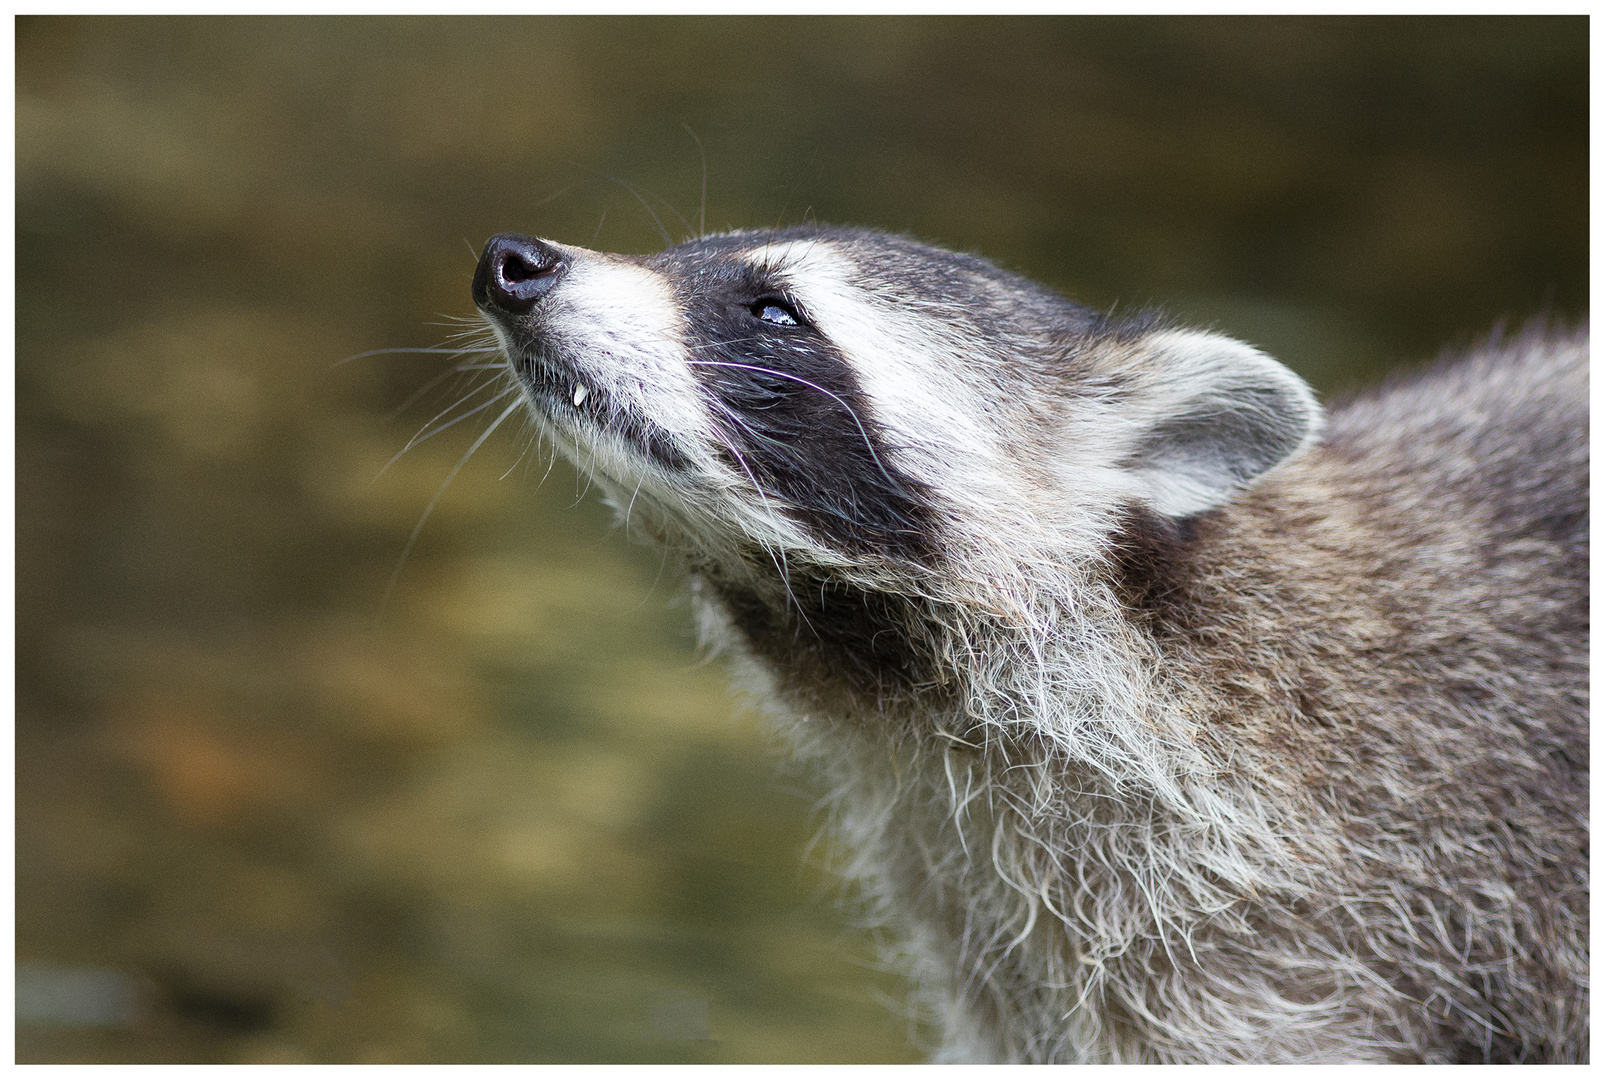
[861, 400]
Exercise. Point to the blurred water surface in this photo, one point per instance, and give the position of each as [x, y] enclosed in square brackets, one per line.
[508, 813]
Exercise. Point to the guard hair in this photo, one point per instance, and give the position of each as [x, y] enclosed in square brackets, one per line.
[1164, 719]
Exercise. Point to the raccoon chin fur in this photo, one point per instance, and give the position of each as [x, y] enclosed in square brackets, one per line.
[1164, 719]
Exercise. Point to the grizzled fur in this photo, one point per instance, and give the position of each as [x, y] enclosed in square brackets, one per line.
[1161, 724]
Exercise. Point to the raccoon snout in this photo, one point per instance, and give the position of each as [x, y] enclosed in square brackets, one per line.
[514, 272]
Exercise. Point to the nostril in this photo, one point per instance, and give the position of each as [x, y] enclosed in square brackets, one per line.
[515, 268]
[515, 271]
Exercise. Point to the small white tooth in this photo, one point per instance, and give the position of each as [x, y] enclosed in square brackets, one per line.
[580, 390]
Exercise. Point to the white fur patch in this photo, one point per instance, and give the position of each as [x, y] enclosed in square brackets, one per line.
[623, 328]
[907, 365]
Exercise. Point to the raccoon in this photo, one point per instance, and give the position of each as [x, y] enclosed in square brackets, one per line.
[1166, 718]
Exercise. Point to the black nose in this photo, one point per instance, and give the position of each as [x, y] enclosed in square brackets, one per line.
[514, 272]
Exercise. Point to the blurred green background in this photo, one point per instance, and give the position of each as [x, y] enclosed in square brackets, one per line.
[265, 814]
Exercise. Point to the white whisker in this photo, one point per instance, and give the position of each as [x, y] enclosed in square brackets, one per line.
[430, 509]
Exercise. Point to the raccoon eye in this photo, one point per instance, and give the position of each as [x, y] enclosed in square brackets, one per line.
[771, 310]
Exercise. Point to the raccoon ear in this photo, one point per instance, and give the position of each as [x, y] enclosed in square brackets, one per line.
[1207, 415]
